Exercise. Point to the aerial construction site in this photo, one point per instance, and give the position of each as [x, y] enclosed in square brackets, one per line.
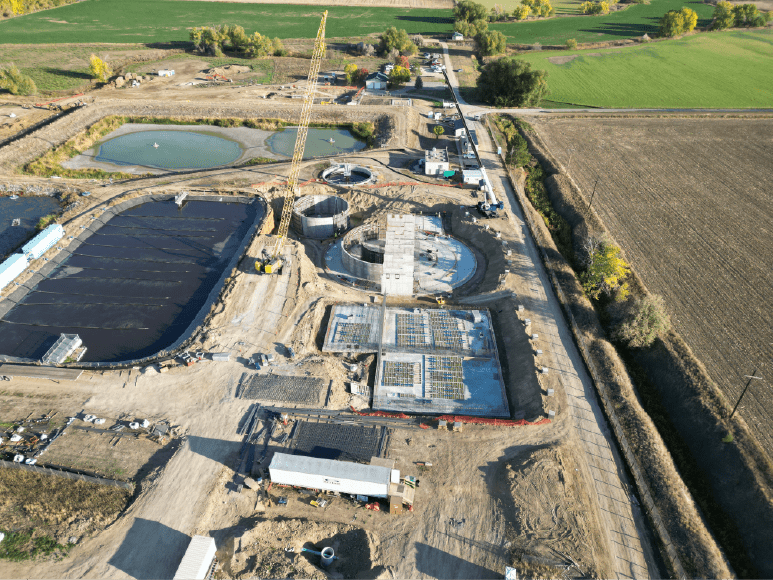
[280, 351]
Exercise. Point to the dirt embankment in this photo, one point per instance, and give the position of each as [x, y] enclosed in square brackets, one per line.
[732, 482]
[690, 537]
[37, 143]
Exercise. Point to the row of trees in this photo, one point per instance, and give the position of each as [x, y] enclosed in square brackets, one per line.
[470, 11]
[728, 15]
[213, 40]
[471, 20]
[595, 8]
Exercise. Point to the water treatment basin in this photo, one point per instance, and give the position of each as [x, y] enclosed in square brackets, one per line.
[134, 282]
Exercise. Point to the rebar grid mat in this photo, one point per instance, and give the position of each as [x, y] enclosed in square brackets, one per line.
[281, 388]
[446, 332]
[340, 442]
[411, 330]
[401, 374]
[352, 332]
[444, 377]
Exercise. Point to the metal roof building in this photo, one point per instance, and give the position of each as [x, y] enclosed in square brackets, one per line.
[331, 475]
[11, 268]
[38, 245]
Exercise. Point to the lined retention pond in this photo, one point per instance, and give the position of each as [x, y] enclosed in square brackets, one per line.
[132, 287]
[142, 148]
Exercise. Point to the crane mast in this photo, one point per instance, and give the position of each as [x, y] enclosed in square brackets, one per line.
[274, 260]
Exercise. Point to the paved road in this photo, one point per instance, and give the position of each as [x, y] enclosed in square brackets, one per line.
[621, 519]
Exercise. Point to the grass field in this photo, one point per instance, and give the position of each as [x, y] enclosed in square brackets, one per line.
[723, 70]
[629, 23]
[147, 21]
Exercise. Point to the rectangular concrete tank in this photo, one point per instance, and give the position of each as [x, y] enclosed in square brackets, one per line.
[11, 268]
[330, 475]
[197, 559]
[41, 243]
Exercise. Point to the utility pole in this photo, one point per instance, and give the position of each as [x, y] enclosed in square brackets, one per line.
[749, 382]
[594, 193]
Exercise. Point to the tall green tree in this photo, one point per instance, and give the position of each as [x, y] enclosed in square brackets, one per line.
[510, 82]
[438, 130]
[394, 39]
[491, 42]
[723, 15]
[15, 82]
[99, 69]
[469, 11]
[645, 320]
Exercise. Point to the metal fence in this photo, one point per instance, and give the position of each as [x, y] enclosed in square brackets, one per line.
[66, 474]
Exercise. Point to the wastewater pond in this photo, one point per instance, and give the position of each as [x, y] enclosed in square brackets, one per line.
[318, 142]
[28, 210]
[172, 150]
[134, 286]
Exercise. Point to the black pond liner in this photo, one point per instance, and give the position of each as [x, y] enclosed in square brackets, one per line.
[136, 283]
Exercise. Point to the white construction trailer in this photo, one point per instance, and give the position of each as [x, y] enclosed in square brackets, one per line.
[11, 268]
[198, 558]
[41, 243]
[331, 475]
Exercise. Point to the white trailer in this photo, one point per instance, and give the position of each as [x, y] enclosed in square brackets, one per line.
[197, 560]
[41, 243]
[331, 475]
[11, 268]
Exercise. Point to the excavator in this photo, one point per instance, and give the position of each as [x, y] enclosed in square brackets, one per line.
[271, 262]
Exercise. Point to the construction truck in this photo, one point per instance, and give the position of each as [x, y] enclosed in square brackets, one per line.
[271, 262]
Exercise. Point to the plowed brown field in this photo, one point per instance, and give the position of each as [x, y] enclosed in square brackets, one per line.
[691, 203]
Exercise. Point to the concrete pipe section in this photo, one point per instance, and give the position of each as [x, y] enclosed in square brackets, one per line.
[440, 262]
[348, 175]
[320, 216]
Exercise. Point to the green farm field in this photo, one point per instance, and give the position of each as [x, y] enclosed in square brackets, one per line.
[713, 70]
[561, 6]
[164, 21]
[632, 22]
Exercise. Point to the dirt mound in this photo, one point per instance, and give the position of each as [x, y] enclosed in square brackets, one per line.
[552, 525]
[264, 551]
[229, 69]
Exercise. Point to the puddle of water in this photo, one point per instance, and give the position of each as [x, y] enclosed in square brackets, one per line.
[28, 209]
[133, 287]
[176, 150]
[317, 142]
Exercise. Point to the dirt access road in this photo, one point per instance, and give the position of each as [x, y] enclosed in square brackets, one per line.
[620, 513]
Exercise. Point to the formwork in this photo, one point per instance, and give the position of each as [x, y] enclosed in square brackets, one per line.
[320, 216]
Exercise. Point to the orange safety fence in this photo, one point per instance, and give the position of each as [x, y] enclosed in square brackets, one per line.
[486, 421]
[59, 99]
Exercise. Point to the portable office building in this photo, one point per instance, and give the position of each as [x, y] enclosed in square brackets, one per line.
[11, 268]
[41, 243]
[331, 475]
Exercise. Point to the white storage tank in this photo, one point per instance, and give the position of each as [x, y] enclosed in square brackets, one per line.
[197, 560]
[330, 475]
[11, 268]
[41, 243]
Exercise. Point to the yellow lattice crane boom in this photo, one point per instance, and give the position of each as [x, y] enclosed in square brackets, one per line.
[274, 260]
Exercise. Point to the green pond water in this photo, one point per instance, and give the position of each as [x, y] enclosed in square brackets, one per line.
[317, 142]
[176, 150]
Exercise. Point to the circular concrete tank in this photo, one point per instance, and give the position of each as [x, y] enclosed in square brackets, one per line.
[348, 175]
[362, 251]
[320, 216]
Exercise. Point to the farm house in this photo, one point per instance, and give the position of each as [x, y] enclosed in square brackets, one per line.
[376, 81]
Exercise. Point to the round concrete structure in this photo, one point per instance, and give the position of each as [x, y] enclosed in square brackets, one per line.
[348, 175]
[362, 251]
[320, 216]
